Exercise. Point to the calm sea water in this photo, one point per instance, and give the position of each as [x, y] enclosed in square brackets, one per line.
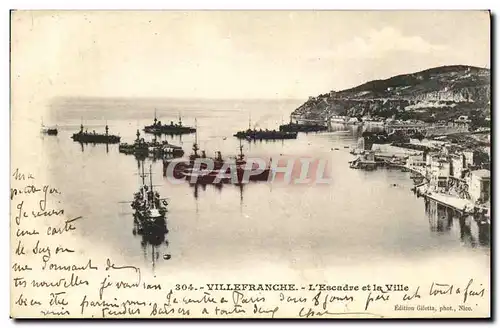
[359, 216]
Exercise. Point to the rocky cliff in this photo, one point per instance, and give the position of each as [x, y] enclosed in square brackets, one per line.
[435, 94]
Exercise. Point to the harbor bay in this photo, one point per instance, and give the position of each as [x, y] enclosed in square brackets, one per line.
[359, 216]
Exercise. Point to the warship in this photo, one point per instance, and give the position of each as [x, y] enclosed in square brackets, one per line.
[86, 137]
[185, 168]
[220, 176]
[302, 127]
[157, 149]
[139, 147]
[150, 209]
[254, 134]
[173, 129]
[181, 165]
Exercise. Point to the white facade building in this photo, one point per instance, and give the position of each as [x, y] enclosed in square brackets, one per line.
[479, 185]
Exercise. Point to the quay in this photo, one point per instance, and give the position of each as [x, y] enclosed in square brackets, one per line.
[453, 175]
[459, 204]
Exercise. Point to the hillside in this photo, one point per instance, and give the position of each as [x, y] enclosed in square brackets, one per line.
[439, 93]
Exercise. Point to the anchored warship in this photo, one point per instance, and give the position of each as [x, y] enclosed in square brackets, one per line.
[302, 127]
[173, 129]
[140, 147]
[86, 137]
[150, 209]
[265, 135]
[254, 134]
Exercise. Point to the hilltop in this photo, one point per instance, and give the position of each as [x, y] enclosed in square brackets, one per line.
[439, 93]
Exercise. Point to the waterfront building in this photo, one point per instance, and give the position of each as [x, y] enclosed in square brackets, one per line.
[479, 185]
[438, 170]
[457, 166]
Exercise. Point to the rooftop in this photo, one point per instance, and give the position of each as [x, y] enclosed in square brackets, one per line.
[481, 173]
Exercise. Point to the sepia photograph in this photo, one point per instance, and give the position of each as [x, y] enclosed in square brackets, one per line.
[272, 164]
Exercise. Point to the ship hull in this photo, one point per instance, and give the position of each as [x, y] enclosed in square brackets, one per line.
[165, 129]
[302, 128]
[266, 136]
[95, 138]
[155, 151]
[148, 225]
[216, 177]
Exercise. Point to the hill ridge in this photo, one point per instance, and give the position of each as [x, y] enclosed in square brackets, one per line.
[435, 93]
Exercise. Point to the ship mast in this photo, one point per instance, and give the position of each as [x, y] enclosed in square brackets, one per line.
[195, 145]
[249, 121]
[153, 256]
[153, 203]
[241, 151]
[144, 193]
[150, 178]
[143, 175]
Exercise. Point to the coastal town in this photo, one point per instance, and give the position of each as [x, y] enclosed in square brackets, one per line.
[434, 123]
[451, 167]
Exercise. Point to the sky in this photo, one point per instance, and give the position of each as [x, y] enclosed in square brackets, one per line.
[235, 55]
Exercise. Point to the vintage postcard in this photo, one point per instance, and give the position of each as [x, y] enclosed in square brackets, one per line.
[250, 164]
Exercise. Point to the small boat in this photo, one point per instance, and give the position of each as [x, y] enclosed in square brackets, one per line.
[365, 162]
[51, 131]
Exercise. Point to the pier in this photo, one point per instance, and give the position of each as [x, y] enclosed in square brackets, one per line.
[459, 204]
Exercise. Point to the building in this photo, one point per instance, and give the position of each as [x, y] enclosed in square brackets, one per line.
[468, 158]
[352, 120]
[479, 185]
[463, 123]
[457, 166]
[438, 169]
[463, 119]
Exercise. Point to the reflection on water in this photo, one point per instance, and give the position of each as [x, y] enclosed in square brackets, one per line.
[472, 229]
[217, 186]
[84, 145]
[154, 242]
